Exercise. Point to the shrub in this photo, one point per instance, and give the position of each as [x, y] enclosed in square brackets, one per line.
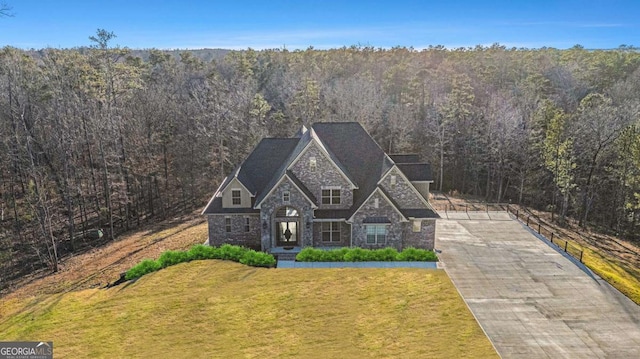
[258, 259]
[385, 255]
[388, 254]
[357, 255]
[335, 255]
[411, 254]
[309, 254]
[171, 258]
[142, 268]
[232, 253]
[200, 251]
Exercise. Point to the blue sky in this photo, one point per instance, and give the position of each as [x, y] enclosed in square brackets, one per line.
[323, 24]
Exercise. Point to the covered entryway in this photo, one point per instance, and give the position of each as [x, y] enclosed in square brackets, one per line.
[287, 227]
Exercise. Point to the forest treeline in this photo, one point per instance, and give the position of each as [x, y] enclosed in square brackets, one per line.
[100, 140]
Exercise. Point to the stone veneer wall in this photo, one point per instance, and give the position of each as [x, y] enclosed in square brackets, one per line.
[402, 193]
[325, 174]
[345, 235]
[218, 235]
[272, 203]
[423, 239]
[395, 230]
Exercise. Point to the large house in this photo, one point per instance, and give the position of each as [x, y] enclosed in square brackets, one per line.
[329, 186]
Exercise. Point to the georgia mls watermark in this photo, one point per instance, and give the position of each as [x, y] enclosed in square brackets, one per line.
[26, 350]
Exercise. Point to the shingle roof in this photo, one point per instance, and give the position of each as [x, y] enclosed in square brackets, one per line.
[405, 158]
[416, 171]
[215, 206]
[419, 213]
[302, 187]
[258, 169]
[349, 146]
[358, 152]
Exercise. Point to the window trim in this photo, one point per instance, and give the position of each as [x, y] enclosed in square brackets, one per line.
[313, 163]
[331, 231]
[234, 198]
[376, 227]
[332, 198]
[416, 226]
[227, 225]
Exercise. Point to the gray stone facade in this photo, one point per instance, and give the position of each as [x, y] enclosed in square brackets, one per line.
[238, 234]
[345, 235]
[402, 192]
[325, 174]
[395, 230]
[272, 203]
[424, 238]
[294, 172]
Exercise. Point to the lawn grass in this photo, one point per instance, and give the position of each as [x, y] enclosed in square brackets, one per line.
[222, 309]
[624, 278]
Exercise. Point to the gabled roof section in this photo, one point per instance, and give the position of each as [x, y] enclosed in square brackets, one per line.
[412, 212]
[300, 145]
[215, 207]
[354, 149]
[334, 158]
[405, 158]
[301, 131]
[416, 172]
[256, 171]
[262, 164]
[296, 182]
[385, 196]
[302, 187]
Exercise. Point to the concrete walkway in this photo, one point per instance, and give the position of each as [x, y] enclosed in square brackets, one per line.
[531, 300]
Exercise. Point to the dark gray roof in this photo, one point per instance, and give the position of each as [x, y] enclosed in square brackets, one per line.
[258, 169]
[302, 187]
[215, 206]
[405, 158]
[261, 165]
[416, 171]
[349, 146]
[358, 152]
[300, 144]
[419, 213]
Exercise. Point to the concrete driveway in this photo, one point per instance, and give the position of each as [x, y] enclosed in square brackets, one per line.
[532, 301]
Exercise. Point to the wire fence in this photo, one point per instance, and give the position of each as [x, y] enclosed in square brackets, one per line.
[567, 245]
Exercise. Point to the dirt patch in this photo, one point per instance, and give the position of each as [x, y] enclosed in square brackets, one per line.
[101, 266]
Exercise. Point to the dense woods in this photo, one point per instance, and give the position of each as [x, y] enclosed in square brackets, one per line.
[100, 140]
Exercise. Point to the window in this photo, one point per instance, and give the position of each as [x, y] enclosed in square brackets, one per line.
[236, 197]
[286, 197]
[417, 225]
[393, 181]
[227, 224]
[331, 195]
[312, 163]
[376, 234]
[247, 225]
[331, 231]
[376, 203]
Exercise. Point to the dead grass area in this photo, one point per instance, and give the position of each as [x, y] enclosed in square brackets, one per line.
[103, 265]
[220, 309]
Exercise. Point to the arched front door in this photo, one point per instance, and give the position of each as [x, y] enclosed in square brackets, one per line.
[287, 223]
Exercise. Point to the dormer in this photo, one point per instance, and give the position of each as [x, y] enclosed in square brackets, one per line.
[236, 195]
